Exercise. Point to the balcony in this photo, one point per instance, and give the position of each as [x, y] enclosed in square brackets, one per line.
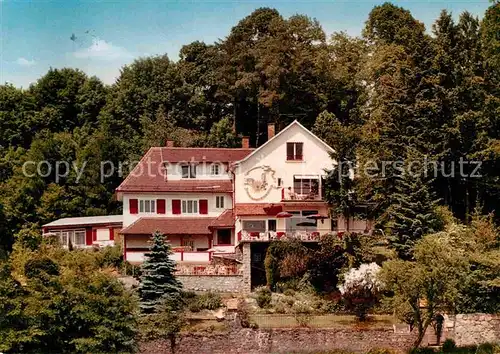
[305, 188]
[279, 235]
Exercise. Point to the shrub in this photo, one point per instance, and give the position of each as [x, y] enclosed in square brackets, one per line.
[291, 284]
[188, 295]
[194, 307]
[37, 266]
[289, 292]
[280, 308]
[112, 256]
[242, 314]
[209, 301]
[361, 288]
[302, 314]
[486, 348]
[289, 301]
[264, 297]
[449, 346]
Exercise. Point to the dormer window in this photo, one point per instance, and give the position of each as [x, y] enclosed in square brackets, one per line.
[188, 171]
[294, 151]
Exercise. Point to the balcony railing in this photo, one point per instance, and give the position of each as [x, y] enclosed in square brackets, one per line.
[290, 194]
[278, 235]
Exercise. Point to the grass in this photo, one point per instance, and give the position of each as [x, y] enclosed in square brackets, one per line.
[321, 321]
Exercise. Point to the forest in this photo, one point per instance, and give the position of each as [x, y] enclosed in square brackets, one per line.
[399, 92]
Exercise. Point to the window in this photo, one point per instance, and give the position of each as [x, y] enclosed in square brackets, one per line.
[271, 225]
[306, 187]
[294, 151]
[147, 206]
[280, 182]
[224, 237]
[219, 202]
[190, 207]
[254, 225]
[102, 235]
[188, 244]
[188, 171]
[215, 170]
[78, 238]
[299, 221]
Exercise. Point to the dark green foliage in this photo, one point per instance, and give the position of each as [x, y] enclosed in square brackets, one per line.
[158, 283]
[411, 215]
[327, 263]
[65, 305]
[164, 324]
[37, 267]
[263, 297]
[285, 260]
[448, 346]
[209, 301]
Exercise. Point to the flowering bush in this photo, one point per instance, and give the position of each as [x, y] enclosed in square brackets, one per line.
[361, 288]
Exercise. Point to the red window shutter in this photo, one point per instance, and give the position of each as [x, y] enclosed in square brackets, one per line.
[176, 206]
[88, 237]
[133, 206]
[111, 234]
[94, 235]
[203, 206]
[160, 206]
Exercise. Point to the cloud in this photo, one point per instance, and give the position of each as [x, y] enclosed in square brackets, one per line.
[25, 62]
[102, 50]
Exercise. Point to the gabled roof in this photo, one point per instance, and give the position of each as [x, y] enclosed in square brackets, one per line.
[288, 127]
[86, 220]
[149, 175]
[169, 226]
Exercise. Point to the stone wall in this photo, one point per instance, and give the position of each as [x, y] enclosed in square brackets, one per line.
[216, 283]
[249, 341]
[472, 329]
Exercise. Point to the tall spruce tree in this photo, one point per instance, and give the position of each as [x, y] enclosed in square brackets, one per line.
[158, 282]
[411, 214]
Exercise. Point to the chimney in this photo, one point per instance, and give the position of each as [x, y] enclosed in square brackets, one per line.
[271, 129]
[170, 143]
[245, 142]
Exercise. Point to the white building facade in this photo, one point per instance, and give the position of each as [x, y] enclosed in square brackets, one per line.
[207, 201]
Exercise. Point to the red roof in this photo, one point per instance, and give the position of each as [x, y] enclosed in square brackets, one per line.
[149, 174]
[226, 219]
[180, 154]
[169, 226]
[257, 209]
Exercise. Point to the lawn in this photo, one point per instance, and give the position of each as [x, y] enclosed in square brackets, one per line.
[319, 321]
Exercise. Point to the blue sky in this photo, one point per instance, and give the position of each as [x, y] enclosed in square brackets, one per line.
[35, 34]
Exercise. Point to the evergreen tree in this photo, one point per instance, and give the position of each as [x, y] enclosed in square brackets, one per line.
[411, 215]
[158, 282]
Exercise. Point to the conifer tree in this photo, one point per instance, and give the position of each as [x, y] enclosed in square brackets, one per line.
[158, 282]
[412, 214]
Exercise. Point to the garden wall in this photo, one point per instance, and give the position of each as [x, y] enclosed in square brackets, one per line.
[249, 341]
[472, 329]
[216, 283]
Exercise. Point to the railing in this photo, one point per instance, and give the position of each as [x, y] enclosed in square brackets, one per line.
[290, 194]
[183, 256]
[278, 235]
